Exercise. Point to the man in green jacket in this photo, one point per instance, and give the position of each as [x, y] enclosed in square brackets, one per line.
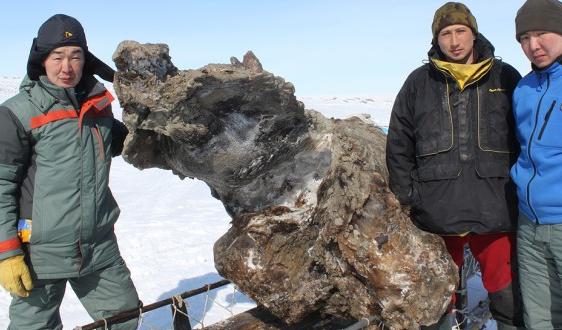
[57, 137]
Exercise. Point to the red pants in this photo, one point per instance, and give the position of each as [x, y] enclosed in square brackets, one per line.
[494, 253]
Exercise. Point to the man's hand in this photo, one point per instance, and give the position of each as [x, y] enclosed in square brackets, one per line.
[15, 277]
[118, 134]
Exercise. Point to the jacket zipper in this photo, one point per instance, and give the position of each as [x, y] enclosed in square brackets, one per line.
[546, 119]
[80, 246]
[97, 134]
[80, 254]
[529, 144]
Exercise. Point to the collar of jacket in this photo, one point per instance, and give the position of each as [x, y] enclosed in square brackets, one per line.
[554, 64]
[464, 74]
[43, 94]
[483, 51]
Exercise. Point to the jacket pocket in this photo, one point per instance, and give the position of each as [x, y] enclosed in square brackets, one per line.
[549, 134]
[108, 213]
[493, 169]
[427, 180]
[433, 121]
[56, 258]
[496, 123]
[546, 119]
[436, 172]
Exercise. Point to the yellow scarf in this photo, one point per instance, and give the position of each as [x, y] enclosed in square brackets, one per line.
[464, 74]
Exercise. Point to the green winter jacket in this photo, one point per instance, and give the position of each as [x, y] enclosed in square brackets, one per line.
[55, 156]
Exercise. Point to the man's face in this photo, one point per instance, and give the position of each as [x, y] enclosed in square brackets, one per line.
[541, 47]
[456, 42]
[64, 66]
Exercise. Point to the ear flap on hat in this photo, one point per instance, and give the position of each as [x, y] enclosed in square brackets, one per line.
[34, 62]
[96, 66]
[92, 66]
[53, 34]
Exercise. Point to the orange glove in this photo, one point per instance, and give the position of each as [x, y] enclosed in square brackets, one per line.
[15, 277]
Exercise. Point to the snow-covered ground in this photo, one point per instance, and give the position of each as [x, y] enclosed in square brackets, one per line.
[168, 226]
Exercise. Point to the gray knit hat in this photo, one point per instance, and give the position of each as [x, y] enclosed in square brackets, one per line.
[539, 15]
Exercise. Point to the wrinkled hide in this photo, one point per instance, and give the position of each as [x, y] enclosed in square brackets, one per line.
[314, 225]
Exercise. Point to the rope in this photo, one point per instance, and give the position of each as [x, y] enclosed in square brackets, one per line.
[367, 322]
[130, 314]
[479, 315]
[104, 324]
[233, 303]
[228, 308]
[463, 313]
[223, 307]
[177, 310]
[178, 299]
[205, 308]
[197, 321]
[177, 304]
[364, 322]
[141, 317]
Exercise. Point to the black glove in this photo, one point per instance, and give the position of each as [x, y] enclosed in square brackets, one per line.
[118, 134]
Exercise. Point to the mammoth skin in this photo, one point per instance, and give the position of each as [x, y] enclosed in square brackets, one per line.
[315, 227]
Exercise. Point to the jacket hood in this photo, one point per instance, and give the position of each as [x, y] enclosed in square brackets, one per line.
[483, 49]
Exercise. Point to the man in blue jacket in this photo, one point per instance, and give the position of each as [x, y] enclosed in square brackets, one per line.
[537, 104]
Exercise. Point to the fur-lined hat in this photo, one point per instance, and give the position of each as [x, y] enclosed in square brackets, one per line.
[58, 31]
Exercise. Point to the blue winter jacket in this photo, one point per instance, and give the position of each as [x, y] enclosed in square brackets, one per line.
[537, 104]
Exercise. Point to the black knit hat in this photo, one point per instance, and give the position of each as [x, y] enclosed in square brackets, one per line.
[452, 13]
[539, 15]
[59, 31]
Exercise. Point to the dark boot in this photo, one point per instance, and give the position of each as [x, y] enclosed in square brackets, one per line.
[507, 308]
[444, 323]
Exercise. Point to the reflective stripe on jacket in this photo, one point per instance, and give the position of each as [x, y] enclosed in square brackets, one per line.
[54, 169]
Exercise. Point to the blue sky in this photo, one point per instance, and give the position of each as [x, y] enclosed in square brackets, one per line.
[327, 47]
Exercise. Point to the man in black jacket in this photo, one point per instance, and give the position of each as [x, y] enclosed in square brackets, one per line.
[450, 145]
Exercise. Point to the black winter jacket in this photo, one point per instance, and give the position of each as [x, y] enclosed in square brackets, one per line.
[449, 152]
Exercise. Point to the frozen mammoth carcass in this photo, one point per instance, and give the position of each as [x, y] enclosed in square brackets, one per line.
[315, 228]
